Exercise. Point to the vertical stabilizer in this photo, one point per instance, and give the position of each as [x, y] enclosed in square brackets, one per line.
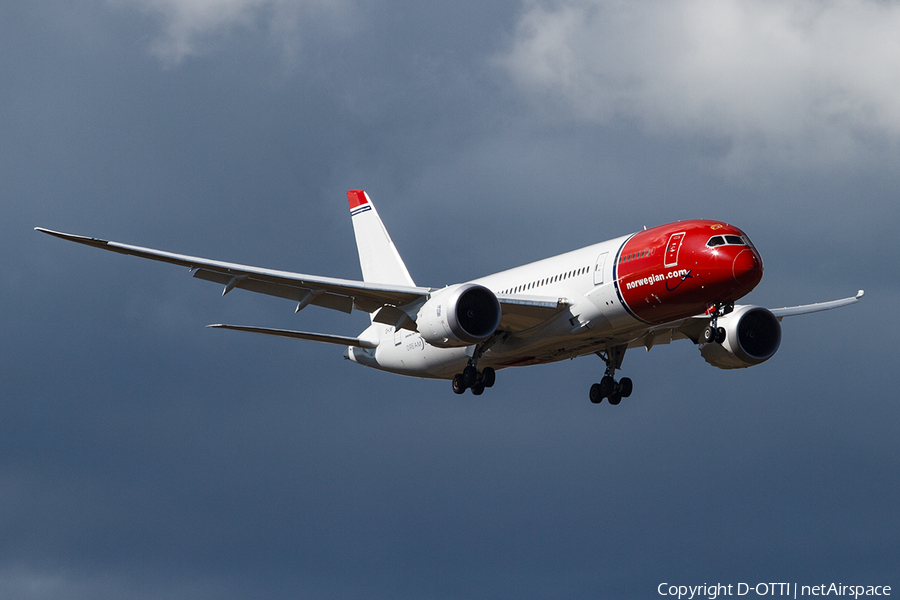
[378, 257]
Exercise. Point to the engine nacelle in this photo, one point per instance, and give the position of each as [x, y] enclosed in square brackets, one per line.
[459, 315]
[752, 336]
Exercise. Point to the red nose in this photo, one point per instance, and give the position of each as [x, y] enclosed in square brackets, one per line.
[747, 268]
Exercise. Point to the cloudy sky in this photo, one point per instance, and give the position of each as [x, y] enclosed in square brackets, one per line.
[144, 456]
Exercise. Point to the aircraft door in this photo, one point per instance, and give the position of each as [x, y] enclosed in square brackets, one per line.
[672, 249]
[599, 268]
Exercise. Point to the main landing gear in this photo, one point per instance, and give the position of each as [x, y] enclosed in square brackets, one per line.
[713, 333]
[473, 379]
[608, 386]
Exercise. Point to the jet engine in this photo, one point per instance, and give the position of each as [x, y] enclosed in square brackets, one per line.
[459, 315]
[752, 336]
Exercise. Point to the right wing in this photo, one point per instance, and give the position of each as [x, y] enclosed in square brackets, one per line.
[692, 327]
[804, 309]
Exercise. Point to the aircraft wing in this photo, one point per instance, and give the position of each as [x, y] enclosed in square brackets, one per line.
[803, 309]
[692, 328]
[519, 312]
[328, 292]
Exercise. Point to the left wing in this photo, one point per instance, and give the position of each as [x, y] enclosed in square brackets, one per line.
[328, 292]
[519, 312]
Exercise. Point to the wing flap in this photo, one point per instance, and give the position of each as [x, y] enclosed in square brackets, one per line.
[688, 329]
[521, 313]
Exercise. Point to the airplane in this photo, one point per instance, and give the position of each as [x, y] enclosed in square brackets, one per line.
[671, 282]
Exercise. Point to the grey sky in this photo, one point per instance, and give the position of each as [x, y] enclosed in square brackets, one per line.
[144, 456]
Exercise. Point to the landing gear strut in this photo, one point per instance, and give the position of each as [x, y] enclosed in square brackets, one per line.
[714, 333]
[473, 379]
[608, 386]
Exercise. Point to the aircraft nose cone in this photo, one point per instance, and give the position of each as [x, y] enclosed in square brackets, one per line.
[747, 268]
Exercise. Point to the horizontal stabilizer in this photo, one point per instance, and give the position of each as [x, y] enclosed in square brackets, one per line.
[302, 335]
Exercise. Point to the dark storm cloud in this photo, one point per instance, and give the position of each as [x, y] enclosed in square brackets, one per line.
[144, 456]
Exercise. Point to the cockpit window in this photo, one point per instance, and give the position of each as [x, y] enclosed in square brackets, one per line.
[726, 240]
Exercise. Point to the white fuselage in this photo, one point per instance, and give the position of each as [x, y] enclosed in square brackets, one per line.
[594, 314]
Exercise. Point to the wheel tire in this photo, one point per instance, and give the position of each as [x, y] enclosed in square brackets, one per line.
[607, 386]
[478, 389]
[625, 387]
[470, 376]
[596, 396]
[459, 386]
[488, 377]
[615, 398]
[709, 334]
[720, 335]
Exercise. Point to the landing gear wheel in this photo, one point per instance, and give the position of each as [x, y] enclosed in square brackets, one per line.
[478, 389]
[488, 377]
[720, 335]
[459, 386]
[607, 386]
[470, 376]
[709, 334]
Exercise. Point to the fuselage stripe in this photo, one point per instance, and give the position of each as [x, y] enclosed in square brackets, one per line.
[616, 281]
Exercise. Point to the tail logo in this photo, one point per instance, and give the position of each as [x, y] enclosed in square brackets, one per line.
[359, 202]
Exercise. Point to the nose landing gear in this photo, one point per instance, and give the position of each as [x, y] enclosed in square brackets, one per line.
[608, 386]
[713, 333]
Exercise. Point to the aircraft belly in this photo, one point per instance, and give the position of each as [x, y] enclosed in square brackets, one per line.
[593, 324]
[409, 354]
